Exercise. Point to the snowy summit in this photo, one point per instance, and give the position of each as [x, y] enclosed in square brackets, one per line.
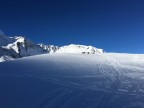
[80, 49]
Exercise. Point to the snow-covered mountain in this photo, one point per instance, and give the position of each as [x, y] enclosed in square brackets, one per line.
[88, 78]
[106, 80]
[80, 49]
[18, 46]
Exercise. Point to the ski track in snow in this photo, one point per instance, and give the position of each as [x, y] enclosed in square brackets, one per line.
[113, 78]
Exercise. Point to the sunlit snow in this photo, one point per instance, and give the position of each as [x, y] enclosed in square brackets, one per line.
[108, 80]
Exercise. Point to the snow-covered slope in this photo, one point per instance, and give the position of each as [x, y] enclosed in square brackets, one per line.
[80, 49]
[73, 81]
[18, 46]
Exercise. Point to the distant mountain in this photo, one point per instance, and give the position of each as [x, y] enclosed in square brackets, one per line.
[19, 46]
[80, 49]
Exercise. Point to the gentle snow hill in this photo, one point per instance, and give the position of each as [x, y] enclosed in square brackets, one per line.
[106, 80]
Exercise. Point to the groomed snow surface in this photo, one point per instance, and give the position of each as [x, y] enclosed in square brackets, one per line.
[106, 80]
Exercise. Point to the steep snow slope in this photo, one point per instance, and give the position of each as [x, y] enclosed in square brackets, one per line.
[73, 81]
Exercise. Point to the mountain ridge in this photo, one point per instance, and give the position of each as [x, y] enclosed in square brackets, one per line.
[18, 46]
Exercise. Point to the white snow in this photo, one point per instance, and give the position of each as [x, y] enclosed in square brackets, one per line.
[2, 59]
[73, 48]
[5, 58]
[108, 80]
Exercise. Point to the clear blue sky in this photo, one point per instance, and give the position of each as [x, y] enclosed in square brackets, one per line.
[114, 25]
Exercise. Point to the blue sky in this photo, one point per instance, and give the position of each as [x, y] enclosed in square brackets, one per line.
[114, 25]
